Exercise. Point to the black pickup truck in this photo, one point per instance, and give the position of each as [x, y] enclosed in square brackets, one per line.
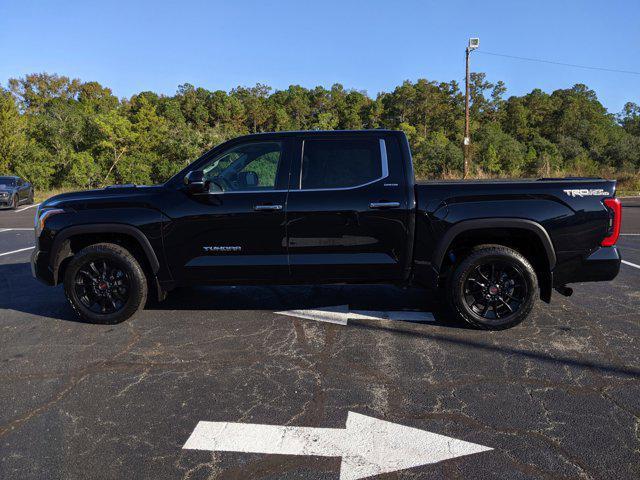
[328, 207]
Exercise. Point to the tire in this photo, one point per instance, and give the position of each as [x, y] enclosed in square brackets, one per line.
[110, 291]
[503, 294]
[14, 202]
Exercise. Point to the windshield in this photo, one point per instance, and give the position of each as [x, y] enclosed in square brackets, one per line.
[7, 182]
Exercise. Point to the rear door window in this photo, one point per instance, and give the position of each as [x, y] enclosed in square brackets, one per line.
[341, 163]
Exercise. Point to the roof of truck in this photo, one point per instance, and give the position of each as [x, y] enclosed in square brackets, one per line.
[295, 133]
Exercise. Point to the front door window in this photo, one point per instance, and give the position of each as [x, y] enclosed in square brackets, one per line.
[248, 167]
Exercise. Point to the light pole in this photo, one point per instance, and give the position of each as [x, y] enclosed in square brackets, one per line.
[473, 44]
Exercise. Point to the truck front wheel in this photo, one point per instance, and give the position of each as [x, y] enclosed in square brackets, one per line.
[494, 288]
[104, 283]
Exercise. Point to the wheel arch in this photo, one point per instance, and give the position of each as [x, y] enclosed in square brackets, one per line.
[62, 249]
[481, 230]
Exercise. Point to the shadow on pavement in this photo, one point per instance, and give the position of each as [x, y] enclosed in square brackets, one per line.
[488, 346]
[20, 292]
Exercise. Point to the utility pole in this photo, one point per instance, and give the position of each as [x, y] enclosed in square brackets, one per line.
[473, 44]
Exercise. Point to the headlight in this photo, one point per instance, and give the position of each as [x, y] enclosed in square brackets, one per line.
[4, 194]
[41, 218]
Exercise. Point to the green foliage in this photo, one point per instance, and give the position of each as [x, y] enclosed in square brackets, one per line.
[444, 156]
[64, 133]
[12, 137]
[83, 171]
[630, 118]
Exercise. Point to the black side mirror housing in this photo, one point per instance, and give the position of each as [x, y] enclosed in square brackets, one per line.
[195, 182]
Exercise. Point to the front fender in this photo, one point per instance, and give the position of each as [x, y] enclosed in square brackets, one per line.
[60, 241]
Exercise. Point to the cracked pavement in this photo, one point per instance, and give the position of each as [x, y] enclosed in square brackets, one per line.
[557, 397]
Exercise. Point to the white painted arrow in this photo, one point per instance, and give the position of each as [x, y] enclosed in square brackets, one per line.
[368, 446]
[341, 314]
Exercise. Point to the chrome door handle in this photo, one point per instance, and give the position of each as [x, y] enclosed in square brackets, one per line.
[268, 207]
[384, 204]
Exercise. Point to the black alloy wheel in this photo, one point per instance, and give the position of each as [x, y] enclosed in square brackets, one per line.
[105, 283]
[495, 290]
[102, 286]
[494, 287]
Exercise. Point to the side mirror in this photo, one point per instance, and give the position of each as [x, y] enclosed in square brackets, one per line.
[195, 182]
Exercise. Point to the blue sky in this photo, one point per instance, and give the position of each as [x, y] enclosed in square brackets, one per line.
[372, 45]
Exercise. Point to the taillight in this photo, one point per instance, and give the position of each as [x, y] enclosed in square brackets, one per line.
[615, 219]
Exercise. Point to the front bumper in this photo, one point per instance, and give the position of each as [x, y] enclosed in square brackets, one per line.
[40, 267]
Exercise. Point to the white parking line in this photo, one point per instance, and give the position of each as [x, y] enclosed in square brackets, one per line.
[630, 264]
[26, 208]
[20, 229]
[16, 251]
[630, 234]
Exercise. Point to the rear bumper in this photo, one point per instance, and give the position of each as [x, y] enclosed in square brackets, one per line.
[40, 268]
[600, 266]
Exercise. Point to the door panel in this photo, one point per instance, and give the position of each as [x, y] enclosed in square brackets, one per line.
[349, 233]
[237, 231]
[222, 238]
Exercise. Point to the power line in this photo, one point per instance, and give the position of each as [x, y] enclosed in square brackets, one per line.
[539, 60]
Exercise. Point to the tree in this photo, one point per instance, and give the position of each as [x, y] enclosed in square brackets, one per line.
[12, 135]
[117, 139]
[62, 132]
[254, 100]
[37, 89]
[630, 118]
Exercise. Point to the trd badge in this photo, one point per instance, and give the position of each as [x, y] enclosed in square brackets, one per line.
[586, 193]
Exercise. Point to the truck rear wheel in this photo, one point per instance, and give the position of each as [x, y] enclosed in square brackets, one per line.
[104, 283]
[494, 288]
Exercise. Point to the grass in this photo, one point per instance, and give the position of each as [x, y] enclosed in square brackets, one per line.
[41, 195]
[628, 185]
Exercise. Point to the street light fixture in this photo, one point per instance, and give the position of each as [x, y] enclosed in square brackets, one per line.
[473, 44]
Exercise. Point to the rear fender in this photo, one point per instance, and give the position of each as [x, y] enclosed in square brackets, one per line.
[460, 228]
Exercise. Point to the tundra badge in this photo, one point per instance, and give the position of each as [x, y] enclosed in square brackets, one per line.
[216, 249]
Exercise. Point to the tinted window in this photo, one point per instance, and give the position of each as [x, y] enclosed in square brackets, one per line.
[340, 163]
[252, 166]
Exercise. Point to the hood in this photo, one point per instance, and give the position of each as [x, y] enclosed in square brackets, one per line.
[111, 194]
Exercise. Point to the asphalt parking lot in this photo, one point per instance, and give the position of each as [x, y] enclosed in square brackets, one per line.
[556, 397]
